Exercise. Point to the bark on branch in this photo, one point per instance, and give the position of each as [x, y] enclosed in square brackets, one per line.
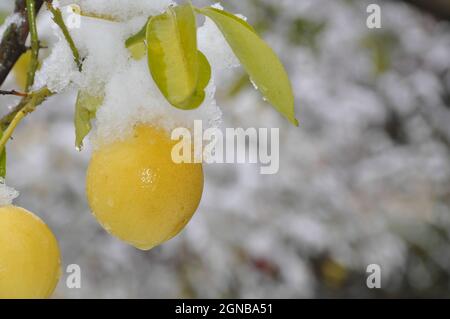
[12, 45]
[438, 8]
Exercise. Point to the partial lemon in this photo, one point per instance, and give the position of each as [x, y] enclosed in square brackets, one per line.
[20, 69]
[29, 255]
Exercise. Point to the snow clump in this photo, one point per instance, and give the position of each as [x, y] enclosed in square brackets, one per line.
[130, 94]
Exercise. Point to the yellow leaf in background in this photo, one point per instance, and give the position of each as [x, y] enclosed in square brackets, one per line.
[3, 16]
[258, 59]
[21, 68]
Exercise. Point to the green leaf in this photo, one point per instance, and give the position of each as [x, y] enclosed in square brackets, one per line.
[2, 160]
[138, 37]
[3, 16]
[138, 50]
[258, 59]
[204, 77]
[136, 43]
[85, 110]
[204, 73]
[173, 56]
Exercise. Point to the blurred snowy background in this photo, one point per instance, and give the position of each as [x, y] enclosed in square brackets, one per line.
[364, 179]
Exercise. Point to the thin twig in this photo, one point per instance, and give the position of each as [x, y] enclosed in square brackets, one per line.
[27, 105]
[58, 19]
[10, 129]
[13, 92]
[31, 11]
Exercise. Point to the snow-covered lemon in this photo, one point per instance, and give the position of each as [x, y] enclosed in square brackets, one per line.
[29, 255]
[138, 193]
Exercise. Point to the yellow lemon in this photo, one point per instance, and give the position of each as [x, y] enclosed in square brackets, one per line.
[138, 193]
[29, 255]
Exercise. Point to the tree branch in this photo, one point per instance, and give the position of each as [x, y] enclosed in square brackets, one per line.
[438, 8]
[13, 92]
[12, 45]
[27, 105]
